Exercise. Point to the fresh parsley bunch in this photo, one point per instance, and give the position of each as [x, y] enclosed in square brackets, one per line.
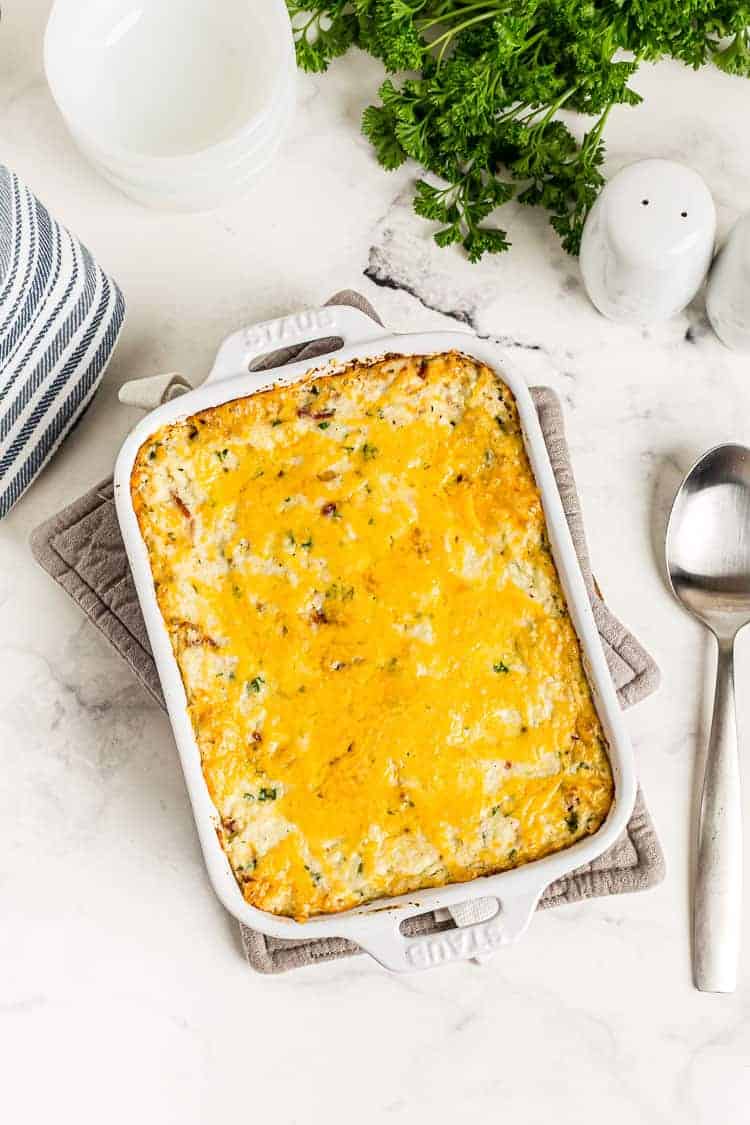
[485, 80]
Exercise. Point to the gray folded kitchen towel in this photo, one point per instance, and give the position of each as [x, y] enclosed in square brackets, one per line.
[82, 549]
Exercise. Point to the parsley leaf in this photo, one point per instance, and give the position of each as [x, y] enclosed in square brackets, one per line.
[323, 30]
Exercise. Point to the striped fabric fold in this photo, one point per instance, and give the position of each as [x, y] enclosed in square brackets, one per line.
[60, 317]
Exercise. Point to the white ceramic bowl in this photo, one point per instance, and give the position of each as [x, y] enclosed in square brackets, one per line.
[177, 102]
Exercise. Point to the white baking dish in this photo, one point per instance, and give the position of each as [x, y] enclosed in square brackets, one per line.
[376, 927]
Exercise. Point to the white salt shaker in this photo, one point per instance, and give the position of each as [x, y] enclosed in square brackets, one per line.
[728, 290]
[648, 241]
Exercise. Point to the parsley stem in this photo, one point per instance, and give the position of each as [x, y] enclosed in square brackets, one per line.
[594, 136]
[459, 11]
[453, 31]
[557, 105]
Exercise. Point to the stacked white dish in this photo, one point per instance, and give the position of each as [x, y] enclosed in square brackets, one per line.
[178, 103]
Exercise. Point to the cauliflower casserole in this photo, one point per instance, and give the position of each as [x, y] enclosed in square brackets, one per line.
[381, 674]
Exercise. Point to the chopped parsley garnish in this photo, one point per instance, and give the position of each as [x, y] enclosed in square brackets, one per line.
[276, 422]
[323, 425]
[572, 821]
[265, 794]
[255, 684]
[369, 451]
[307, 544]
[500, 667]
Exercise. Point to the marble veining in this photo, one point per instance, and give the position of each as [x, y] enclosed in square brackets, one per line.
[123, 994]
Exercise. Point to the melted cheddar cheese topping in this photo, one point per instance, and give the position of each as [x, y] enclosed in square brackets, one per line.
[381, 673]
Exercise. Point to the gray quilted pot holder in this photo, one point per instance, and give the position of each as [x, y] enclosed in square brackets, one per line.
[82, 549]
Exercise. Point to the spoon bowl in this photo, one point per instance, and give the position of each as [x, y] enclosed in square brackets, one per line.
[708, 564]
[708, 540]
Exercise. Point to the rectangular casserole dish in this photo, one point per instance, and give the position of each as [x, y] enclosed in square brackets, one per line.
[376, 926]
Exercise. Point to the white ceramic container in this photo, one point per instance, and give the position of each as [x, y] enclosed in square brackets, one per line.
[179, 103]
[648, 241]
[375, 927]
[728, 290]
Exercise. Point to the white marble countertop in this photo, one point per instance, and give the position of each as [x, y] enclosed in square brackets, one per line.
[123, 994]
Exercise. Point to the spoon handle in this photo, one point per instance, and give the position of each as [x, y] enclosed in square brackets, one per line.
[717, 905]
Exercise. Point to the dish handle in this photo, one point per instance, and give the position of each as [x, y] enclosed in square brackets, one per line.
[380, 935]
[331, 322]
[343, 322]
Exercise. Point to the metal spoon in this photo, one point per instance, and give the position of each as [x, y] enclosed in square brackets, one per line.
[708, 562]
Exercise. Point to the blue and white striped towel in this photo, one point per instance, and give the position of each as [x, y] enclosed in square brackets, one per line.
[60, 317]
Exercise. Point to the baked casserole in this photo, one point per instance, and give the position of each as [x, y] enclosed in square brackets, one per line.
[382, 677]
